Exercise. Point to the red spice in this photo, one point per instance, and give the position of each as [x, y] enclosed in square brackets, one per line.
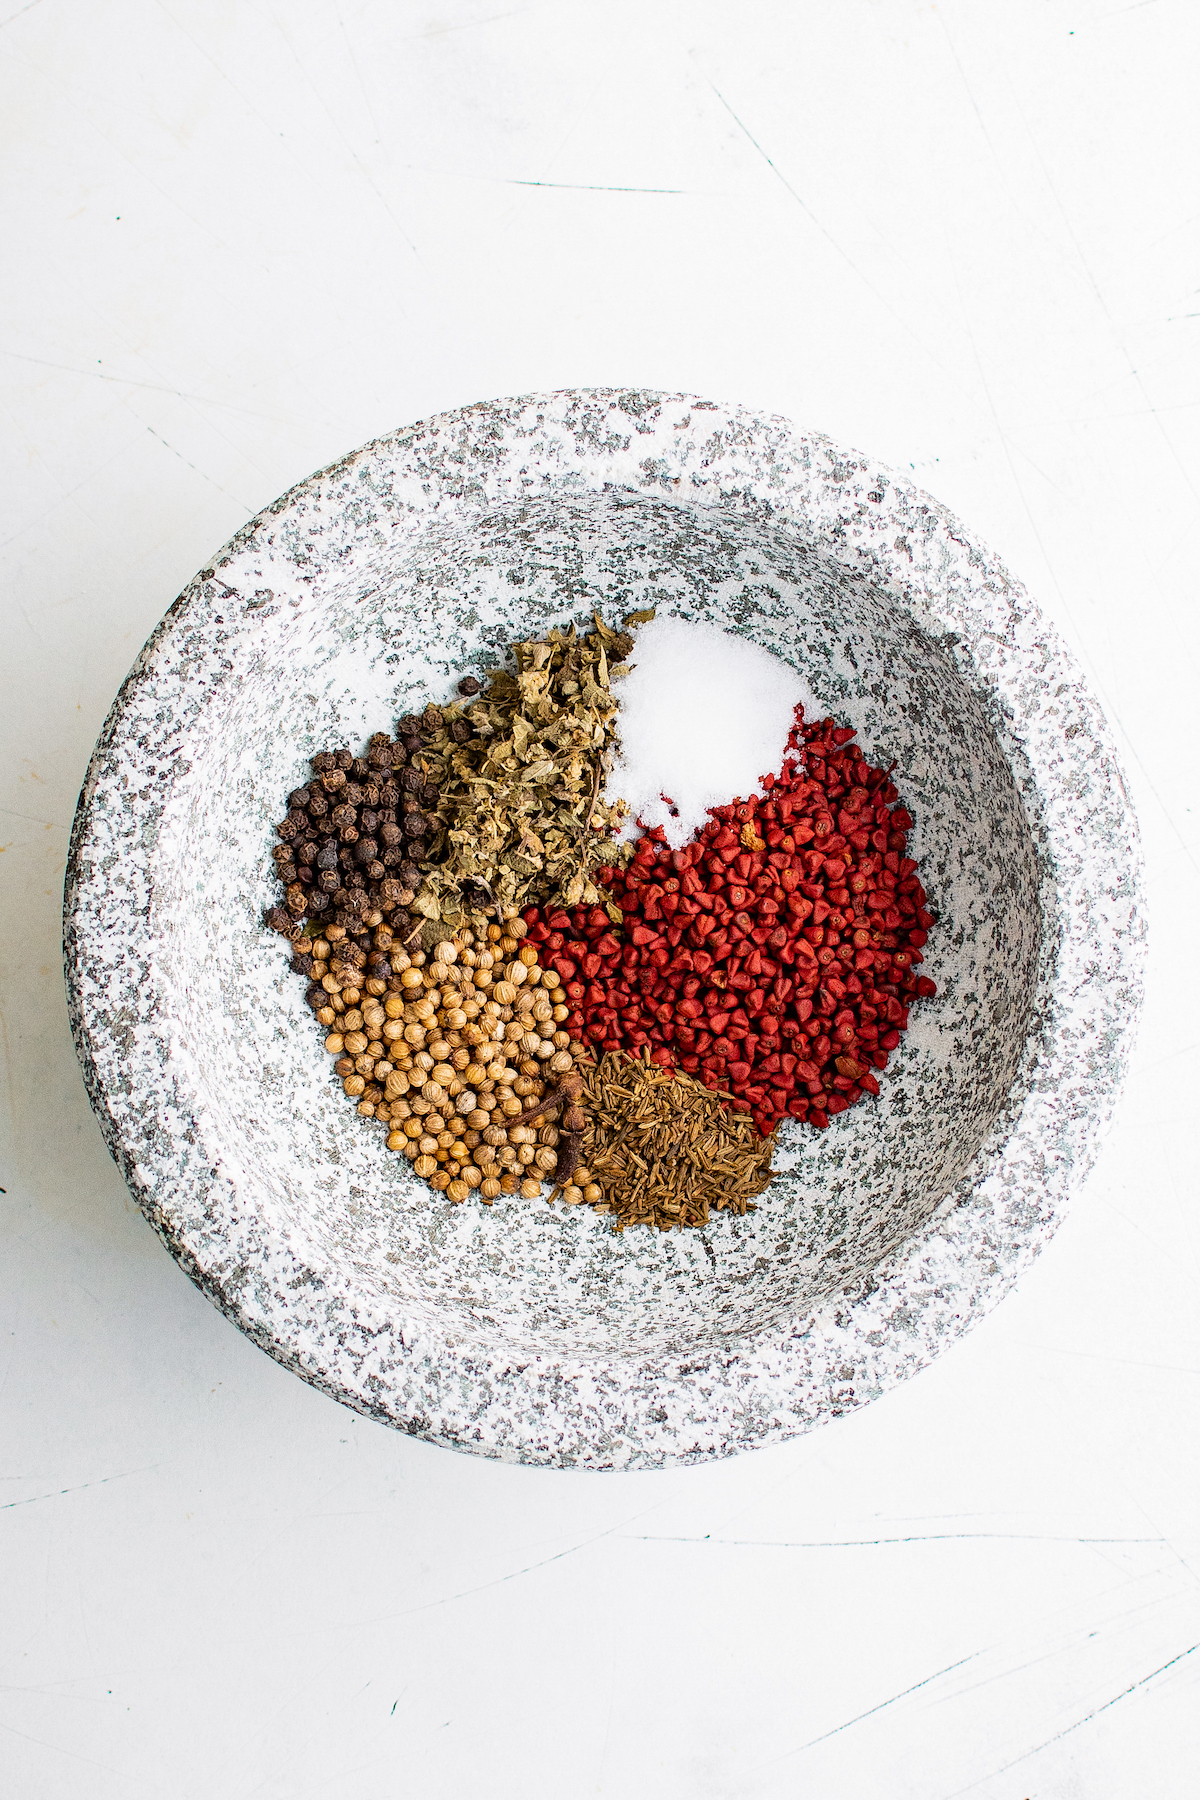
[773, 957]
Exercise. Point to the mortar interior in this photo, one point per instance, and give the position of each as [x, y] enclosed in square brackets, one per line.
[523, 1279]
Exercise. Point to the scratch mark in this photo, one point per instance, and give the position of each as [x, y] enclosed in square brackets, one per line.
[1115, 334]
[970, 91]
[824, 231]
[57, 1493]
[380, 136]
[154, 387]
[435, 31]
[931, 1537]
[589, 187]
[50, 824]
[191, 465]
[19, 14]
[59, 1749]
[1129, 746]
[366, 173]
[859, 1717]
[514, 1574]
[1126, 1362]
[1138, 412]
[1086, 1720]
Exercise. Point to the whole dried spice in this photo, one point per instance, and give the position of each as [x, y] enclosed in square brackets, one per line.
[460, 1054]
[351, 846]
[518, 771]
[664, 1150]
[775, 956]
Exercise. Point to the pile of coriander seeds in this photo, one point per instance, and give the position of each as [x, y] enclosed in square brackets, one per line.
[461, 1054]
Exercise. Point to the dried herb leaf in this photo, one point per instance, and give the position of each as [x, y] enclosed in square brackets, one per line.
[522, 818]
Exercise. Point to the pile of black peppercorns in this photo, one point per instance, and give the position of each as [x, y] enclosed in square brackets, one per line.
[350, 849]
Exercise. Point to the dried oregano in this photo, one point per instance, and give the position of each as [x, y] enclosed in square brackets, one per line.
[519, 773]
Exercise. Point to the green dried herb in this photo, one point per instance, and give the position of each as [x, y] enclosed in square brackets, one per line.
[519, 771]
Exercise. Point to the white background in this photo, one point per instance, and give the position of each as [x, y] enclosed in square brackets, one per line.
[241, 237]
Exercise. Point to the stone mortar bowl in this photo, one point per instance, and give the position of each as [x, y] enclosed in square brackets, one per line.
[535, 1333]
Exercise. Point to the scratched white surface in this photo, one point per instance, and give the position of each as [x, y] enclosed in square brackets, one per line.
[240, 238]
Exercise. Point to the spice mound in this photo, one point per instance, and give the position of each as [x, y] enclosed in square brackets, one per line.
[776, 955]
[461, 1054]
[518, 774]
[662, 1149]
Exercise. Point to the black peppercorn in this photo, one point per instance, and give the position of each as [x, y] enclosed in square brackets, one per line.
[469, 685]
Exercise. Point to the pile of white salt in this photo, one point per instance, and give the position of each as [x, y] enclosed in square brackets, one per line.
[704, 715]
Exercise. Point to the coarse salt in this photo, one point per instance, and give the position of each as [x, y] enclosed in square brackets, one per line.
[704, 715]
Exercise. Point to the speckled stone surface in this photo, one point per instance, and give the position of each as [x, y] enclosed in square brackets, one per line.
[529, 1332]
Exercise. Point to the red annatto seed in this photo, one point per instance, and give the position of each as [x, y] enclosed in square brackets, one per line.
[780, 974]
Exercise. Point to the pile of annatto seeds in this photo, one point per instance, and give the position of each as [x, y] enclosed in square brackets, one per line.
[775, 956]
[772, 962]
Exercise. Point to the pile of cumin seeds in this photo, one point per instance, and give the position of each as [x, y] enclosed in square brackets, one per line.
[664, 1149]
